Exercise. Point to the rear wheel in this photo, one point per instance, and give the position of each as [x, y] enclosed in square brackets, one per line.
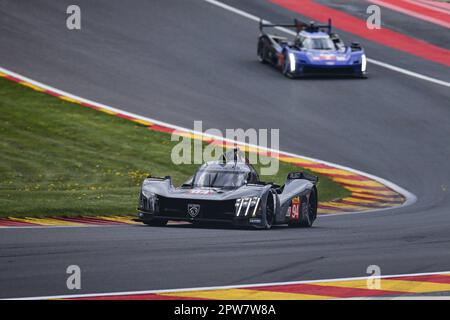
[310, 212]
[156, 222]
[262, 51]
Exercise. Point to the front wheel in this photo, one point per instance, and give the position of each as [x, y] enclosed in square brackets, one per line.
[270, 212]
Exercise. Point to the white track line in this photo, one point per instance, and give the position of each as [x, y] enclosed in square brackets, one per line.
[373, 61]
[111, 294]
[410, 197]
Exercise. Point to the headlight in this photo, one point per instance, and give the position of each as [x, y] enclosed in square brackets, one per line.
[247, 206]
[292, 62]
[149, 203]
[147, 194]
[363, 63]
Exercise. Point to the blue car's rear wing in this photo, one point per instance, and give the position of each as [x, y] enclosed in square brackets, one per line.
[298, 26]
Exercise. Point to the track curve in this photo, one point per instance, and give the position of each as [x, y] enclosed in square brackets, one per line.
[150, 59]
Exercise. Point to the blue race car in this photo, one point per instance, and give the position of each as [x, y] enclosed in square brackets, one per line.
[315, 50]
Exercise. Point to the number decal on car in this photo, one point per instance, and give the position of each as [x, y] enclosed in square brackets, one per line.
[295, 208]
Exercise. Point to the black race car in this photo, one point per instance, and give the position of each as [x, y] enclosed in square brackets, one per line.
[229, 190]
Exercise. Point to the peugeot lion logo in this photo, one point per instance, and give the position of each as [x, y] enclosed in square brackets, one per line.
[193, 209]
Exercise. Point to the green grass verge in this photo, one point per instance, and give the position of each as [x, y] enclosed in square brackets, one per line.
[57, 158]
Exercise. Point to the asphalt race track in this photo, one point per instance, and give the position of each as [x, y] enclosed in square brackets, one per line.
[180, 61]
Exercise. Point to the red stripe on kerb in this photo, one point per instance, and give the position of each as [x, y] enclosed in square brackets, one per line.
[420, 11]
[89, 221]
[12, 78]
[358, 27]
[343, 176]
[427, 278]
[53, 94]
[351, 185]
[161, 129]
[377, 200]
[362, 204]
[338, 209]
[11, 223]
[84, 104]
[125, 116]
[151, 296]
[331, 291]
[312, 165]
[436, 5]
[379, 195]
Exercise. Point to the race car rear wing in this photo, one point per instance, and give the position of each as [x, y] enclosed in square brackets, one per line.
[298, 25]
[302, 175]
[158, 178]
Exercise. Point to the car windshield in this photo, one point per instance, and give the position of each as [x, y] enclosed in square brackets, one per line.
[219, 179]
[323, 43]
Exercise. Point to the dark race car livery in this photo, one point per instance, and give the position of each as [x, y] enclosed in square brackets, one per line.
[229, 190]
[315, 50]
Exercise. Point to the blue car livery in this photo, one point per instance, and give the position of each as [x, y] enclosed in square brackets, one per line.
[315, 50]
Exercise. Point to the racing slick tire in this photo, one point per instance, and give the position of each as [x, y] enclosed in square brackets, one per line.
[262, 51]
[156, 222]
[270, 212]
[309, 214]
